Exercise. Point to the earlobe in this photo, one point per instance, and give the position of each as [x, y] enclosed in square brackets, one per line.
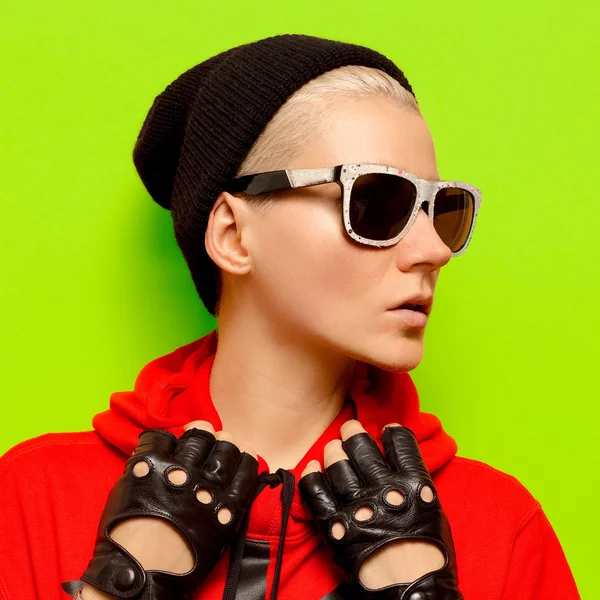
[223, 239]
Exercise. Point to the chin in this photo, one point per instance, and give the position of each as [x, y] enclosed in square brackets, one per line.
[398, 356]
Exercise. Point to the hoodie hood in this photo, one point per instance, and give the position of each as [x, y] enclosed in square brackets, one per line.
[173, 390]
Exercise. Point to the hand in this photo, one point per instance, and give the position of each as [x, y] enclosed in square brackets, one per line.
[383, 519]
[171, 515]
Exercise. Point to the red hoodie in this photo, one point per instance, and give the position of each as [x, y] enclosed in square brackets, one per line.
[53, 489]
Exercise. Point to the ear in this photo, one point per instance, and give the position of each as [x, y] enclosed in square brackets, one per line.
[228, 222]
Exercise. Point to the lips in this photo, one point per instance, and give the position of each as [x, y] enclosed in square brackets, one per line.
[416, 307]
[420, 304]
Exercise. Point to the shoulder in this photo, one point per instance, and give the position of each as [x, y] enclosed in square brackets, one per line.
[477, 496]
[47, 451]
[71, 472]
[460, 472]
[53, 488]
[502, 537]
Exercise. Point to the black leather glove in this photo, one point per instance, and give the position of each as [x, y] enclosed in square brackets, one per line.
[366, 480]
[217, 466]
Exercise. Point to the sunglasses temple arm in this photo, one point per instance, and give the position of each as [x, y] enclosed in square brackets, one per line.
[273, 181]
[308, 177]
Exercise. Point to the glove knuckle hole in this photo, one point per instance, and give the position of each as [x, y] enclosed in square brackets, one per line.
[394, 497]
[224, 515]
[364, 513]
[141, 469]
[204, 496]
[337, 530]
[427, 494]
[177, 476]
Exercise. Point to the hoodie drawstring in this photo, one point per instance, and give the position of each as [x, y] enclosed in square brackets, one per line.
[281, 476]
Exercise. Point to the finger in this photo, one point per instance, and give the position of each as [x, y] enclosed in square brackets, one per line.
[248, 450]
[199, 425]
[318, 495]
[222, 462]
[193, 447]
[349, 428]
[244, 480]
[225, 435]
[345, 483]
[367, 460]
[333, 452]
[155, 440]
[311, 467]
[402, 451]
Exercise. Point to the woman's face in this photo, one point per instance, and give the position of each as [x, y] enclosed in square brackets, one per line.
[313, 281]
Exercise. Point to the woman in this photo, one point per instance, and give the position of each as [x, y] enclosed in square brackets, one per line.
[322, 277]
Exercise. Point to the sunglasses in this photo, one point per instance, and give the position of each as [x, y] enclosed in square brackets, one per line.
[381, 203]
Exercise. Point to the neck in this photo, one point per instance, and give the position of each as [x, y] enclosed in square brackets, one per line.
[276, 396]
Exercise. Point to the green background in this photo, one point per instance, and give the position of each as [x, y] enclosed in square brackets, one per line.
[93, 285]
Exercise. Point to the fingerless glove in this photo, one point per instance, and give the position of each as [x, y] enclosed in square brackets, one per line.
[216, 472]
[405, 506]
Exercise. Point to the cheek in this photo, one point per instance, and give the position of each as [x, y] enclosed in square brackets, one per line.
[306, 265]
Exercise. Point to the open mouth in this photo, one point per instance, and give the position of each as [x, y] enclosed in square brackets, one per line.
[416, 307]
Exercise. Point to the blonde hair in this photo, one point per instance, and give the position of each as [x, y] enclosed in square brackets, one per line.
[302, 113]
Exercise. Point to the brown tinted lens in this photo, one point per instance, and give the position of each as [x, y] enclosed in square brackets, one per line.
[380, 205]
[453, 216]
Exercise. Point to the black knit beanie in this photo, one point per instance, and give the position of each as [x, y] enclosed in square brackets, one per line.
[201, 127]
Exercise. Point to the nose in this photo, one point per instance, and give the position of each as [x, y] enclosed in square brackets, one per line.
[422, 246]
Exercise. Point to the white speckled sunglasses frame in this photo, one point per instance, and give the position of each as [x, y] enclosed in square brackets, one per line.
[346, 175]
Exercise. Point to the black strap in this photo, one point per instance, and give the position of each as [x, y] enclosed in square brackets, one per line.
[236, 551]
[252, 584]
[281, 476]
[287, 496]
